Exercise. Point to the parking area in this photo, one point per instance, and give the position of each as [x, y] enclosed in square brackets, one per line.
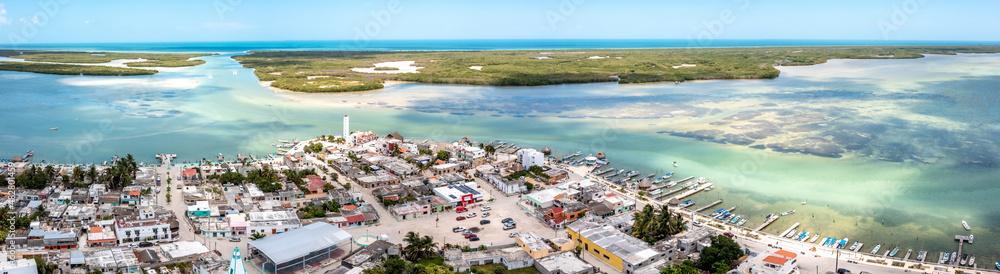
[440, 227]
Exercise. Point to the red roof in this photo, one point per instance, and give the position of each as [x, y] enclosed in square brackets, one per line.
[134, 193]
[189, 172]
[775, 260]
[610, 195]
[355, 218]
[95, 229]
[560, 219]
[349, 207]
[556, 210]
[315, 182]
[786, 254]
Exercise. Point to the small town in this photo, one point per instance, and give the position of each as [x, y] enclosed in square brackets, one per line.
[362, 202]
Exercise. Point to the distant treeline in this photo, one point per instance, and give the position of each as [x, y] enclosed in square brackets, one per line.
[291, 69]
[152, 60]
[61, 69]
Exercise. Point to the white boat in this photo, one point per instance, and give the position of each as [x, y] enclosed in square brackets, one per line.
[53, 128]
[972, 261]
[675, 163]
[966, 225]
[814, 238]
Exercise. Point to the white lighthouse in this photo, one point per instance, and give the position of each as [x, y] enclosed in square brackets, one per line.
[347, 128]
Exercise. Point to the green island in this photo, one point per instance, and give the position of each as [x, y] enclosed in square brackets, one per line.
[69, 59]
[331, 71]
[67, 69]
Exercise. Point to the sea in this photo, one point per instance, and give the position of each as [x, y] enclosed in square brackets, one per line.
[890, 152]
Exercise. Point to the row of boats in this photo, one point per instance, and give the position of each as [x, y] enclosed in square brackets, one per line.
[728, 216]
[945, 258]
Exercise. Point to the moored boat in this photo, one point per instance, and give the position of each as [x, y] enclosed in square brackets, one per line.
[842, 243]
[893, 252]
[966, 225]
[814, 238]
[742, 222]
[854, 246]
[945, 258]
[787, 212]
[876, 249]
[972, 260]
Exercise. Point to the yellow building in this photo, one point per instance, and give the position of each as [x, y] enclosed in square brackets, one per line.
[532, 244]
[616, 249]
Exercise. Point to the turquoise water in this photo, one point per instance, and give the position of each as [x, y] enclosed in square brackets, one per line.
[917, 138]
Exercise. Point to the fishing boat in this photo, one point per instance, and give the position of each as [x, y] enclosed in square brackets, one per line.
[921, 255]
[657, 191]
[966, 225]
[833, 242]
[675, 163]
[997, 265]
[854, 246]
[814, 238]
[742, 222]
[843, 243]
[53, 128]
[787, 212]
[945, 257]
[803, 236]
[735, 219]
[964, 260]
[876, 249]
[790, 234]
[893, 252]
[972, 261]
[858, 249]
[954, 256]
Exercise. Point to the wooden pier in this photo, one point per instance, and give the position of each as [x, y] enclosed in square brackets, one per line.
[767, 222]
[907, 256]
[961, 240]
[788, 230]
[665, 195]
[693, 191]
[685, 179]
[709, 206]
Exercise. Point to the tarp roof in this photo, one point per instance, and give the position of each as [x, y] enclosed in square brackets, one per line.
[294, 244]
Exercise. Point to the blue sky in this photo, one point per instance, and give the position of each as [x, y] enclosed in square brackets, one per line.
[66, 21]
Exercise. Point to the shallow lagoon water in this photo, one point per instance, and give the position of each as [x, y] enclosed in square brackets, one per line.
[916, 137]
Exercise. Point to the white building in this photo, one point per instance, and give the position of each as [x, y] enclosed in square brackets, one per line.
[530, 157]
[454, 194]
[272, 222]
[20, 266]
[472, 154]
[779, 262]
[147, 226]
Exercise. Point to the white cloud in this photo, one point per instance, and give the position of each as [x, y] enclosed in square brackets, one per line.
[3, 15]
[86, 22]
[224, 26]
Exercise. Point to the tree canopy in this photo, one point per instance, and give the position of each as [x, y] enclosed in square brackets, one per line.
[718, 257]
[654, 224]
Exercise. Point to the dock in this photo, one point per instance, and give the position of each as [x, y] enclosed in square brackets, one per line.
[961, 240]
[788, 230]
[166, 158]
[767, 222]
[907, 256]
[693, 191]
[685, 179]
[709, 206]
[672, 192]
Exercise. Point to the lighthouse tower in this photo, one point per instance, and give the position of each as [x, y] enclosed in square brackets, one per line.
[347, 127]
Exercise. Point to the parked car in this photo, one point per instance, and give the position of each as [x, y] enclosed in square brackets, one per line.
[460, 210]
[485, 208]
[512, 234]
[460, 218]
[487, 214]
[470, 236]
[508, 220]
[218, 253]
[471, 215]
[145, 244]
[509, 227]
[483, 222]
[843, 271]
[234, 239]
[458, 229]
[696, 223]
[473, 239]
[133, 245]
[728, 234]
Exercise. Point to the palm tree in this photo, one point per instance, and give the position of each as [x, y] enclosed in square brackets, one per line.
[418, 247]
[92, 174]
